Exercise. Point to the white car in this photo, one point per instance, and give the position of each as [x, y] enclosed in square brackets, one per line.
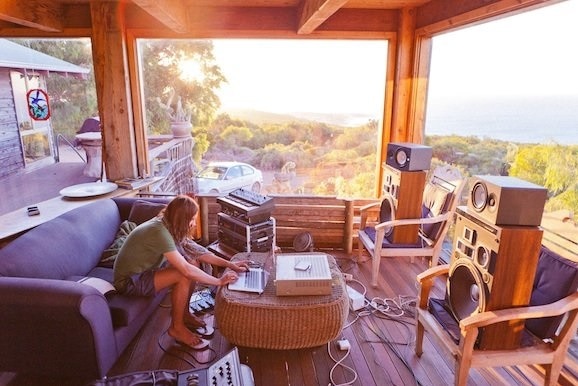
[224, 177]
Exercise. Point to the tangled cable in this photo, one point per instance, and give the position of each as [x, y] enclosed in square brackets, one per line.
[339, 362]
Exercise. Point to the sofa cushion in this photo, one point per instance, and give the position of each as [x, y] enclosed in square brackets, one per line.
[123, 308]
[68, 245]
[142, 211]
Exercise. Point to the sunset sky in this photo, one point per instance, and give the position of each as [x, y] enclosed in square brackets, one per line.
[533, 53]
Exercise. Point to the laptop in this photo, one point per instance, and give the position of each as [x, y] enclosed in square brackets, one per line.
[253, 280]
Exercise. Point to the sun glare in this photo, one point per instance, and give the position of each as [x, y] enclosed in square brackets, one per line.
[190, 70]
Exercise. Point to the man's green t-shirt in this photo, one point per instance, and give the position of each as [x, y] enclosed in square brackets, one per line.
[143, 249]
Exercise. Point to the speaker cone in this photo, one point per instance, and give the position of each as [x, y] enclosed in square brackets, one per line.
[401, 157]
[483, 256]
[479, 196]
[467, 292]
[387, 213]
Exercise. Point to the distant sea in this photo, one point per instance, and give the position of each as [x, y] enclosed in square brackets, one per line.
[520, 119]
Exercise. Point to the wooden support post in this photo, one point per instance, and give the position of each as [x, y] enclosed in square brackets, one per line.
[112, 89]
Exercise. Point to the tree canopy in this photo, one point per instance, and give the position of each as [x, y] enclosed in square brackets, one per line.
[183, 69]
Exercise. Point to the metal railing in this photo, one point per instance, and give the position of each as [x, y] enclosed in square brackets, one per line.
[60, 137]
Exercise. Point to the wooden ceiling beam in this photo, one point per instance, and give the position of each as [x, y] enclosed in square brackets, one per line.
[445, 15]
[313, 13]
[171, 13]
[33, 14]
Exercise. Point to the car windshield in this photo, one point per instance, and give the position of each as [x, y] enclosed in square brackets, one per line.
[213, 172]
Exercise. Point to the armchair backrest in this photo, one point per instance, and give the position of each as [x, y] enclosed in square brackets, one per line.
[556, 277]
[441, 194]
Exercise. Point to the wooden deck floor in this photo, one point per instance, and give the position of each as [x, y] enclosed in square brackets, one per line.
[381, 346]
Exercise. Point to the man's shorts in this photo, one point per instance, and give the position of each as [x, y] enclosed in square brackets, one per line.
[141, 284]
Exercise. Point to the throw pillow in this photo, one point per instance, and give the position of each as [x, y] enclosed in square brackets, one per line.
[109, 255]
[142, 211]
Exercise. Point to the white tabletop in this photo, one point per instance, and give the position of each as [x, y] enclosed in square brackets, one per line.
[18, 221]
[89, 136]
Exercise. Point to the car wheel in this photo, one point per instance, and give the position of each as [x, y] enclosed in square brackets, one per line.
[256, 187]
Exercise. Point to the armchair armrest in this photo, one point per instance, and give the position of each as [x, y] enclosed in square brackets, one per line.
[365, 210]
[470, 326]
[425, 281]
[414, 221]
[366, 207]
[560, 307]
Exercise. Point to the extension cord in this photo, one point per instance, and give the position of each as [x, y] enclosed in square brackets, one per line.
[356, 300]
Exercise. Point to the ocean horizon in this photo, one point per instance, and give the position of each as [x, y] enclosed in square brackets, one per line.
[521, 119]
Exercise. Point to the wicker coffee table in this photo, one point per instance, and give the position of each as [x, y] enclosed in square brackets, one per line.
[281, 322]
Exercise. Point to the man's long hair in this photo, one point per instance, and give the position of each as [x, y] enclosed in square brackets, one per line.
[177, 216]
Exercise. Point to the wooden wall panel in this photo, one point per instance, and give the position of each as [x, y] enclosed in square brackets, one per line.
[10, 150]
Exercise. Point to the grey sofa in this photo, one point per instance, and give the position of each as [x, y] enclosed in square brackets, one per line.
[50, 323]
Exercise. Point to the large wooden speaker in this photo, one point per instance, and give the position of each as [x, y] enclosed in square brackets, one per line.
[406, 193]
[492, 267]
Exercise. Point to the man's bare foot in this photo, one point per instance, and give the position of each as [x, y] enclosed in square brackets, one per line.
[199, 326]
[185, 337]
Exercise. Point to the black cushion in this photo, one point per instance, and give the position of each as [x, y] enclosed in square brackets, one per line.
[142, 211]
[556, 278]
[441, 311]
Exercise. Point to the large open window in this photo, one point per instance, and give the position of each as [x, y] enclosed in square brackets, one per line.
[503, 97]
[502, 101]
[306, 113]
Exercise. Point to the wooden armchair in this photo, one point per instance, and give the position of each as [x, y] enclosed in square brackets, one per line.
[440, 199]
[550, 322]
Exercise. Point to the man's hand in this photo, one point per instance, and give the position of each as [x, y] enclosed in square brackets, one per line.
[228, 277]
[241, 266]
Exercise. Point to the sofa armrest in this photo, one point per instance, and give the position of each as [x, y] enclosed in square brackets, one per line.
[52, 325]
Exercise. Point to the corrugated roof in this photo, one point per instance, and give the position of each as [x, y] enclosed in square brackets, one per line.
[13, 55]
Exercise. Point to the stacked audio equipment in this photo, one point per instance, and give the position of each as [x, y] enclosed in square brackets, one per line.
[227, 371]
[404, 174]
[496, 246]
[245, 222]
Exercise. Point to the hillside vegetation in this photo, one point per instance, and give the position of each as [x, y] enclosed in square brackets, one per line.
[336, 160]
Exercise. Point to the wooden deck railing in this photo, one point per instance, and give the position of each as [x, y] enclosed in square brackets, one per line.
[332, 222]
[171, 158]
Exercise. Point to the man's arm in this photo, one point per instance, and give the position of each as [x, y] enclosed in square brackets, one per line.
[211, 258]
[194, 273]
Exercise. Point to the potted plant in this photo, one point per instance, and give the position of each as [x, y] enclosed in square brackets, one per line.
[180, 117]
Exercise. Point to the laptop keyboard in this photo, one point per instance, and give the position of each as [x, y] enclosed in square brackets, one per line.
[252, 279]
